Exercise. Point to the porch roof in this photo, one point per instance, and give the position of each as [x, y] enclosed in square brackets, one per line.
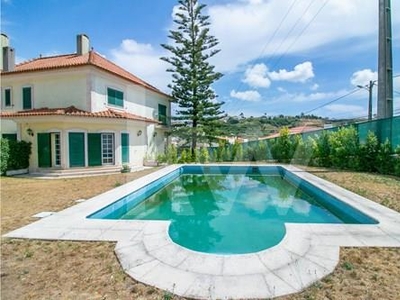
[72, 111]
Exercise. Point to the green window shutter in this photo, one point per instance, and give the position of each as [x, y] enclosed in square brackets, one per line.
[44, 150]
[162, 114]
[125, 147]
[7, 97]
[115, 97]
[76, 149]
[119, 98]
[94, 149]
[9, 136]
[111, 96]
[26, 98]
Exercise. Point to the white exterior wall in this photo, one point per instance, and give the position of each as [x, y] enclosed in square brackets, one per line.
[86, 89]
[137, 99]
[52, 89]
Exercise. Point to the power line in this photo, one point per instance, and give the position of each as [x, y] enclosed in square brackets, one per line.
[293, 27]
[337, 99]
[277, 28]
[287, 35]
[300, 34]
[268, 43]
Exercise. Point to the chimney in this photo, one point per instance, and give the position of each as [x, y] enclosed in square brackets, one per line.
[7, 59]
[82, 44]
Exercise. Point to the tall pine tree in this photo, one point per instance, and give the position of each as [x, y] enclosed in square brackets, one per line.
[192, 45]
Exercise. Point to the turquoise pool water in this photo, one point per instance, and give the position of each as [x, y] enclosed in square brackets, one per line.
[232, 211]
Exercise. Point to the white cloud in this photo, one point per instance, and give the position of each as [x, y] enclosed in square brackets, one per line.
[363, 77]
[346, 109]
[256, 76]
[249, 39]
[282, 90]
[252, 96]
[301, 73]
[143, 60]
[314, 87]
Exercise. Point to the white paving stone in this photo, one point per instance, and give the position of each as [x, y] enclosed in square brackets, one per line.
[307, 252]
[203, 263]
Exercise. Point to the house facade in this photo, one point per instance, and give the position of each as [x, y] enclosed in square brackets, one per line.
[81, 110]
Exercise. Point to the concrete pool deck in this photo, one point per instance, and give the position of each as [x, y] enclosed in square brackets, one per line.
[307, 253]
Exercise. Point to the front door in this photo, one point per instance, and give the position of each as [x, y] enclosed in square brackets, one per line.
[94, 149]
[76, 149]
[44, 150]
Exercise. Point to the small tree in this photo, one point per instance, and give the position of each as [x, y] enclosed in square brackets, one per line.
[198, 113]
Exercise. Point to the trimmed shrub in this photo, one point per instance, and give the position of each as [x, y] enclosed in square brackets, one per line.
[384, 159]
[368, 153]
[4, 155]
[204, 156]
[237, 151]
[344, 147]
[20, 152]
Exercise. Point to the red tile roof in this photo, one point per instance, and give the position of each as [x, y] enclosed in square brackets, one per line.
[294, 130]
[75, 60]
[72, 111]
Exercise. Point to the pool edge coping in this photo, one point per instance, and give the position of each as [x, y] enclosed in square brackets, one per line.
[72, 224]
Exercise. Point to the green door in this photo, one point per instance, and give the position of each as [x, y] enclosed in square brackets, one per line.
[76, 149]
[125, 147]
[94, 149]
[44, 150]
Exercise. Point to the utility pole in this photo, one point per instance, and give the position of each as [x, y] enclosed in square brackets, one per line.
[385, 63]
[369, 89]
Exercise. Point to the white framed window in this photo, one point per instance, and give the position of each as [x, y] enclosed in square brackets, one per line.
[107, 148]
[7, 97]
[115, 97]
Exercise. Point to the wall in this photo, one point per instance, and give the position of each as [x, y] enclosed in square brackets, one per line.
[52, 89]
[137, 99]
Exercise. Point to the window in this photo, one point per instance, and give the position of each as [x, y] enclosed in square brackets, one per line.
[162, 114]
[107, 148]
[9, 136]
[57, 149]
[7, 97]
[27, 98]
[115, 97]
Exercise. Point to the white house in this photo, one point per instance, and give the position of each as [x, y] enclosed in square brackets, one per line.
[81, 110]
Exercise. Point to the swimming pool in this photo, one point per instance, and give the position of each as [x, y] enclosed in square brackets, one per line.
[231, 209]
[307, 253]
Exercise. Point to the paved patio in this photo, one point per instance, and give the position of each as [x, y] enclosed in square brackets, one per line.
[307, 253]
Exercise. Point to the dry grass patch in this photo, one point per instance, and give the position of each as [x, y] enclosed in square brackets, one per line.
[87, 270]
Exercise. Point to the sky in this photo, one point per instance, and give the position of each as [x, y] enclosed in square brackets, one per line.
[277, 56]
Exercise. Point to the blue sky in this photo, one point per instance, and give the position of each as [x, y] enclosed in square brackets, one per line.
[277, 56]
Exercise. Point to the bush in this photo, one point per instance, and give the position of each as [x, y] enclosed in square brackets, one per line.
[20, 152]
[368, 153]
[384, 159]
[172, 154]
[4, 155]
[161, 158]
[344, 148]
[322, 150]
[204, 156]
[237, 151]
[397, 162]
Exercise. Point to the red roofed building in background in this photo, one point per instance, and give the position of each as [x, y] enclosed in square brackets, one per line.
[81, 110]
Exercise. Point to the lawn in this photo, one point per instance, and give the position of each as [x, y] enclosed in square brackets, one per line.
[89, 270]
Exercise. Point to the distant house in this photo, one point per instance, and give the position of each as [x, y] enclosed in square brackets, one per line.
[81, 110]
[293, 130]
